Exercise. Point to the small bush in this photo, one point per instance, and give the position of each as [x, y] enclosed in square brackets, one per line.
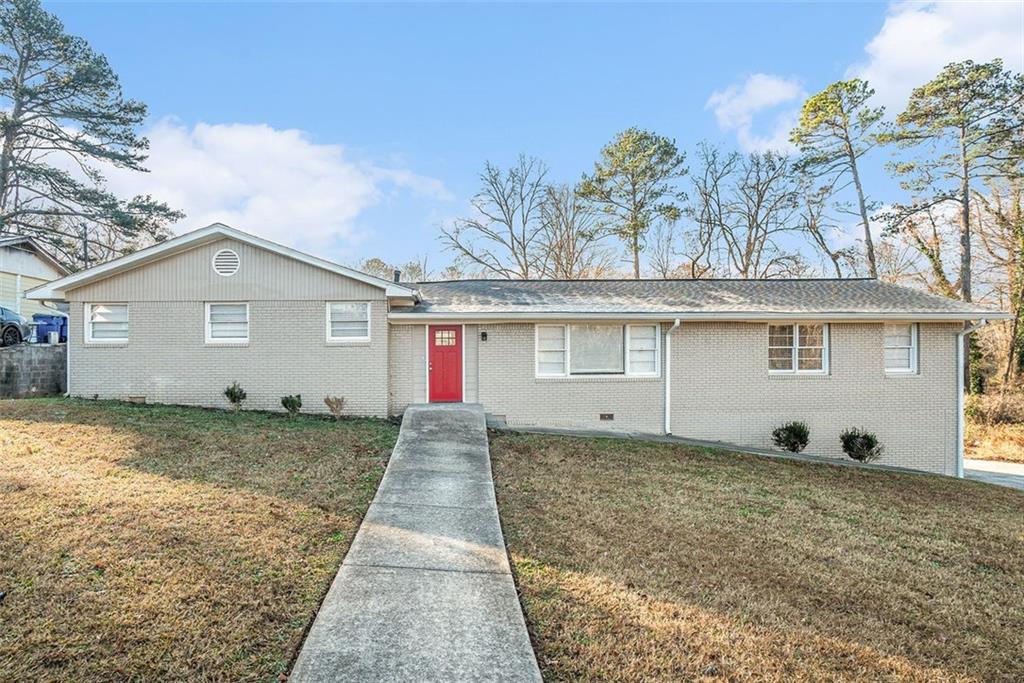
[860, 445]
[235, 394]
[335, 404]
[792, 436]
[292, 404]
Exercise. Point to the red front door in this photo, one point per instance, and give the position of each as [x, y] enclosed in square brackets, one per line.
[444, 363]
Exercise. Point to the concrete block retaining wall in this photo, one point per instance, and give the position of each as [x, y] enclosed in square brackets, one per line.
[33, 370]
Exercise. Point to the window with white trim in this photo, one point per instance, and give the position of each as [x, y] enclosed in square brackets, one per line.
[597, 349]
[551, 350]
[227, 323]
[642, 347]
[900, 348]
[106, 323]
[348, 322]
[798, 349]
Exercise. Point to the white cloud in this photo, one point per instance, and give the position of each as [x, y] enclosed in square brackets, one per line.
[275, 183]
[735, 108]
[917, 39]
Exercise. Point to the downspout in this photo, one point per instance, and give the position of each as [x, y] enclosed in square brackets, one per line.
[67, 361]
[668, 376]
[960, 394]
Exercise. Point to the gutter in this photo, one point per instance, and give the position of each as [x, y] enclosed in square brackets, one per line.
[668, 376]
[960, 336]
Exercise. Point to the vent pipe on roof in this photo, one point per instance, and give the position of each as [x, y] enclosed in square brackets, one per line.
[398, 275]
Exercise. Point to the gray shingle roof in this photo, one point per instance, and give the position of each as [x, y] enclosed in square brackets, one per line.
[730, 298]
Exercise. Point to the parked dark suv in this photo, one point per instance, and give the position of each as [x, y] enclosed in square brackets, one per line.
[14, 327]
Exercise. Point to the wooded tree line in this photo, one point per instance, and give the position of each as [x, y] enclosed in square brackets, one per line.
[955, 227]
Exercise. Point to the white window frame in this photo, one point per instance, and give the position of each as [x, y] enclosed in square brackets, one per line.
[89, 339]
[567, 331]
[227, 341]
[912, 370]
[825, 350]
[657, 351]
[536, 352]
[348, 340]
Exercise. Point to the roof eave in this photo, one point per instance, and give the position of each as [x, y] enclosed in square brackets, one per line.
[703, 316]
[55, 289]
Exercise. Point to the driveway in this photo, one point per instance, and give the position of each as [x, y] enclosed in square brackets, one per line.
[425, 592]
[995, 472]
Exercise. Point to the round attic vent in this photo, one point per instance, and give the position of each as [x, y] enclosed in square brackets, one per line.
[225, 262]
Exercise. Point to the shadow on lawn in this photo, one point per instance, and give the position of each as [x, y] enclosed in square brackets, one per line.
[586, 627]
[661, 561]
[151, 542]
[308, 459]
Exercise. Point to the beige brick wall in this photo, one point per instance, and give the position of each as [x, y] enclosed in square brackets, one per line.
[508, 387]
[721, 390]
[500, 375]
[167, 359]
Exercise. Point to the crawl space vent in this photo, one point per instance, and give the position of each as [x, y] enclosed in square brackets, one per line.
[225, 262]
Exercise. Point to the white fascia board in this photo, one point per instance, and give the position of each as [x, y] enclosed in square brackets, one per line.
[399, 317]
[55, 290]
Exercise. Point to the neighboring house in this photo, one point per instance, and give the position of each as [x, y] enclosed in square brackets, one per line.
[23, 266]
[723, 360]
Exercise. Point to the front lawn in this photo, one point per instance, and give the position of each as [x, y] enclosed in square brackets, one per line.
[644, 561]
[147, 542]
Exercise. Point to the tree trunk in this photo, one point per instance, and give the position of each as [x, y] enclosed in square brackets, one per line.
[10, 136]
[636, 256]
[965, 244]
[1011, 351]
[869, 244]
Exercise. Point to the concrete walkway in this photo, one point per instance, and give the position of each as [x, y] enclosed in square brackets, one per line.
[425, 592]
[995, 472]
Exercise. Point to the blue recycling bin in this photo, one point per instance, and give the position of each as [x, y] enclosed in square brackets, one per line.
[46, 323]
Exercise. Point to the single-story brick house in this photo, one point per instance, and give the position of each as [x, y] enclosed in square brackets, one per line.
[724, 360]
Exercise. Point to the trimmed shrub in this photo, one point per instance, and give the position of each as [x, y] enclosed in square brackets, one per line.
[792, 436]
[335, 404]
[235, 394]
[292, 404]
[860, 445]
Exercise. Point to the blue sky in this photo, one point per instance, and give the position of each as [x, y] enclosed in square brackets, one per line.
[355, 130]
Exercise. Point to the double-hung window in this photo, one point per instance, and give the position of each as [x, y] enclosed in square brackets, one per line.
[348, 322]
[227, 323]
[597, 349]
[106, 323]
[901, 348]
[798, 349]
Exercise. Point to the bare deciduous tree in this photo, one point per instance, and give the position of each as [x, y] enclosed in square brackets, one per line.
[572, 239]
[897, 260]
[931, 232]
[747, 204]
[505, 236]
[1000, 231]
[817, 224]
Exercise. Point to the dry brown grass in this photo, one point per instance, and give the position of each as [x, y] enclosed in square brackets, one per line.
[642, 561]
[146, 542]
[995, 427]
